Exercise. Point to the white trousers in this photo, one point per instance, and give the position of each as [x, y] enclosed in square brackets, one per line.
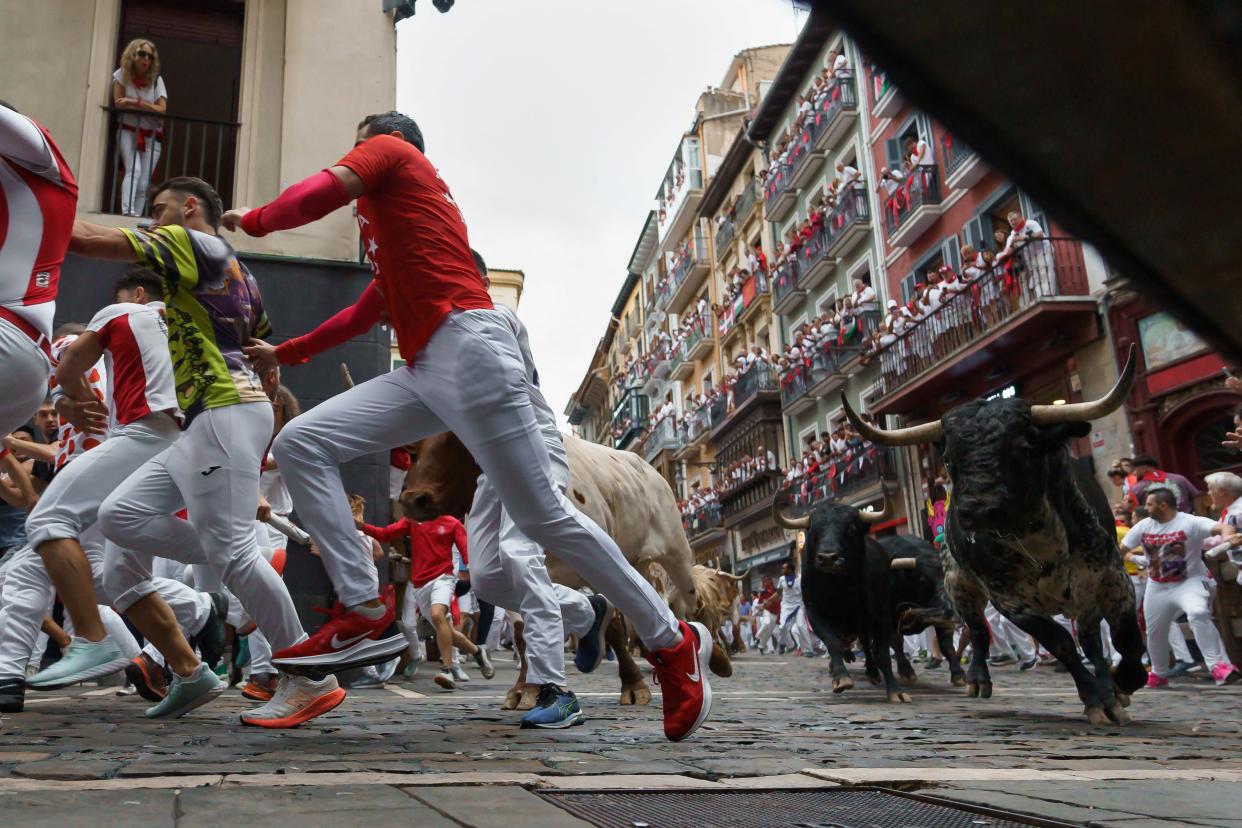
[25, 371]
[213, 471]
[508, 569]
[1177, 639]
[767, 628]
[1009, 635]
[793, 624]
[138, 168]
[493, 417]
[748, 634]
[1161, 604]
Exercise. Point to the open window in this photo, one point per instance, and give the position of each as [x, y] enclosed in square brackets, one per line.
[199, 45]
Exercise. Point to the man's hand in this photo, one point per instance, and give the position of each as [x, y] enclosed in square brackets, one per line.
[88, 416]
[232, 218]
[264, 511]
[1233, 440]
[261, 355]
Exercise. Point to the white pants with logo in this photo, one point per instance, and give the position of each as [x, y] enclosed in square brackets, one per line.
[1162, 602]
[25, 372]
[508, 569]
[1008, 636]
[493, 417]
[213, 471]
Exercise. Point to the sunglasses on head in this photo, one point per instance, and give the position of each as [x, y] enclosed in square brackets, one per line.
[144, 54]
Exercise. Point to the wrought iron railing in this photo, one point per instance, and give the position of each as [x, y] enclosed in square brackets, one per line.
[858, 468]
[954, 153]
[784, 280]
[776, 183]
[663, 435]
[724, 235]
[841, 96]
[698, 424]
[180, 146]
[810, 254]
[852, 208]
[1039, 270]
[703, 520]
[919, 187]
[760, 377]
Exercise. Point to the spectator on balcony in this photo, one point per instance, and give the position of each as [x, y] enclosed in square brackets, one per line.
[864, 297]
[919, 152]
[1037, 258]
[889, 184]
[841, 66]
[137, 85]
[756, 261]
[849, 176]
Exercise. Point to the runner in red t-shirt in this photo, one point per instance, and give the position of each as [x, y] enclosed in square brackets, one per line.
[447, 331]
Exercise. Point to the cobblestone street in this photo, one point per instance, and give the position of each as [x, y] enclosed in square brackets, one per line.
[414, 749]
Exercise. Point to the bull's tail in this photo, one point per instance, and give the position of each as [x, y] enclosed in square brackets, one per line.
[911, 620]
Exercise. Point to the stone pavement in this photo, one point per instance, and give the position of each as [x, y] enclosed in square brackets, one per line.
[412, 751]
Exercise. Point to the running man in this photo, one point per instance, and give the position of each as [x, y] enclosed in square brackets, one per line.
[38, 197]
[447, 329]
[213, 307]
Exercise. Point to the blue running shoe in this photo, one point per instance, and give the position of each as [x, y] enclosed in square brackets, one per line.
[83, 660]
[186, 694]
[591, 646]
[554, 709]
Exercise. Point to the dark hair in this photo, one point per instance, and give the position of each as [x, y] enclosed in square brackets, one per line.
[383, 123]
[1164, 496]
[141, 277]
[1145, 460]
[68, 329]
[479, 263]
[188, 185]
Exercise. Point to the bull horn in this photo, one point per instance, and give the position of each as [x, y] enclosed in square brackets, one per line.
[781, 519]
[911, 436]
[880, 516]
[1094, 409]
[741, 577]
[345, 377]
[904, 563]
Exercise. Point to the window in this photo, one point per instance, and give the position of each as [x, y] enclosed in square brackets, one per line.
[907, 287]
[827, 300]
[917, 128]
[981, 231]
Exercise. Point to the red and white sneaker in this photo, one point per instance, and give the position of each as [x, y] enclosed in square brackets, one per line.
[346, 641]
[297, 699]
[681, 672]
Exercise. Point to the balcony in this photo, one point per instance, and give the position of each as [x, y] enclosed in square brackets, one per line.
[913, 207]
[794, 390]
[962, 166]
[694, 347]
[785, 291]
[750, 499]
[804, 159]
[677, 209]
[704, 524]
[663, 436]
[698, 426]
[759, 384]
[185, 146]
[886, 100]
[862, 467]
[724, 235]
[1028, 311]
[753, 289]
[687, 275]
[838, 115]
[814, 263]
[849, 223]
[750, 197]
[779, 196]
[655, 371]
[628, 417]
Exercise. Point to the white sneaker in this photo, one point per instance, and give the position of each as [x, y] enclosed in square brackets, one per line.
[297, 699]
[459, 674]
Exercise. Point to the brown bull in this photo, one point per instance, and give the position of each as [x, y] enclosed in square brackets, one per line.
[626, 497]
[717, 599]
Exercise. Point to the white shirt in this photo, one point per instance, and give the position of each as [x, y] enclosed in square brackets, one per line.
[867, 294]
[147, 94]
[841, 67]
[791, 593]
[1174, 549]
[140, 369]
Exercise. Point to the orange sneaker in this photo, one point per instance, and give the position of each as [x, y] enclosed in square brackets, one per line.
[297, 699]
[261, 686]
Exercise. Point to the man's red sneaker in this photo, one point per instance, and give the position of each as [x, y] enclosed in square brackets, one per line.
[681, 672]
[347, 640]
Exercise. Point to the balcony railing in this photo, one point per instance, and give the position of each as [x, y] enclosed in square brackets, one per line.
[750, 195]
[852, 209]
[760, 377]
[687, 345]
[724, 235]
[754, 287]
[179, 146]
[703, 520]
[954, 153]
[859, 468]
[663, 435]
[842, 96]
[689, 255]
[1037, 272]
[810, 254]
[777, 182]
[699, 423]
[920, 187]
[784, 280]
[628, 417]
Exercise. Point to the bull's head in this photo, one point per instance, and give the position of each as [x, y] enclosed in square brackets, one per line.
[999, 453]
[835, 534]
[441, 480]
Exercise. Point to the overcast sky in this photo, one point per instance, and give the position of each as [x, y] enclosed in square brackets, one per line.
[553, 121]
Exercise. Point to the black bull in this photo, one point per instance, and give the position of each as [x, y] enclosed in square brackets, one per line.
[857, 588]
[1030, 530]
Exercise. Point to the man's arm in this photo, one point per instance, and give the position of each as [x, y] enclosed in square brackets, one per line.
[389, 533]
[18, 490]
[30, 450]
[22, 141]
[309, 200]
[79, 405]
[97, 242]
[343, 326]
[459, 538]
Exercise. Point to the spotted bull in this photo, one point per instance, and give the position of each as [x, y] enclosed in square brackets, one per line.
[1031, 530]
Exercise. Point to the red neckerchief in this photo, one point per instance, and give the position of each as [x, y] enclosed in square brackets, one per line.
[1155, 476]
[1018, 229]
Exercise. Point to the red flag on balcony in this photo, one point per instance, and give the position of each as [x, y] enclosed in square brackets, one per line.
[748, 292]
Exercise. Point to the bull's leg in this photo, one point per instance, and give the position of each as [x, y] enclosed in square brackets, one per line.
[905, 670]
[944, 637]
[633, 689]
[1091, 640]
[517, 693]
[1055, 639]
[968, 601]
[841, 680]
[878, 646]
[1122, 615]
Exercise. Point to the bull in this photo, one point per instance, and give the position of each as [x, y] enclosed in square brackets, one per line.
[855, 588]
[717, 601]
[616, 489]
[1033, 531]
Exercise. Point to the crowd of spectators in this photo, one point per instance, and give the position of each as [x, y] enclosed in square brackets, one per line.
[795, 142]
[829, 462]
[840, 329]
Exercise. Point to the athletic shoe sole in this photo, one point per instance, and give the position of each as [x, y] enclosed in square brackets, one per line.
[705, 655]
[259, 694]
[141, 679]
[601, 640]
[576, 719]
[324, 704]
[106, 669]
[192, 704]
[364, 653]
[445, 681]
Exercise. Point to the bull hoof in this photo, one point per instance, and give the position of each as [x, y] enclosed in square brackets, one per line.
[959, 681]
[909, 678]
[719, 662]
[1123, 699]
[1097, 716]
[1118, 714]
[636, 695]
[899, 698]
[972, 689]
[840, 685]
[874, 679]
[530, 694]
[985, 689]
[512, 698]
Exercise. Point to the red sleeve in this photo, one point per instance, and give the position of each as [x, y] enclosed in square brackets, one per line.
[310, 199]
[375, 158]
[459, 538]
[389, 533]
[346, 324]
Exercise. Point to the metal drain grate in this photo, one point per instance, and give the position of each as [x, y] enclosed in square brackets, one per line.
[824, 808]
